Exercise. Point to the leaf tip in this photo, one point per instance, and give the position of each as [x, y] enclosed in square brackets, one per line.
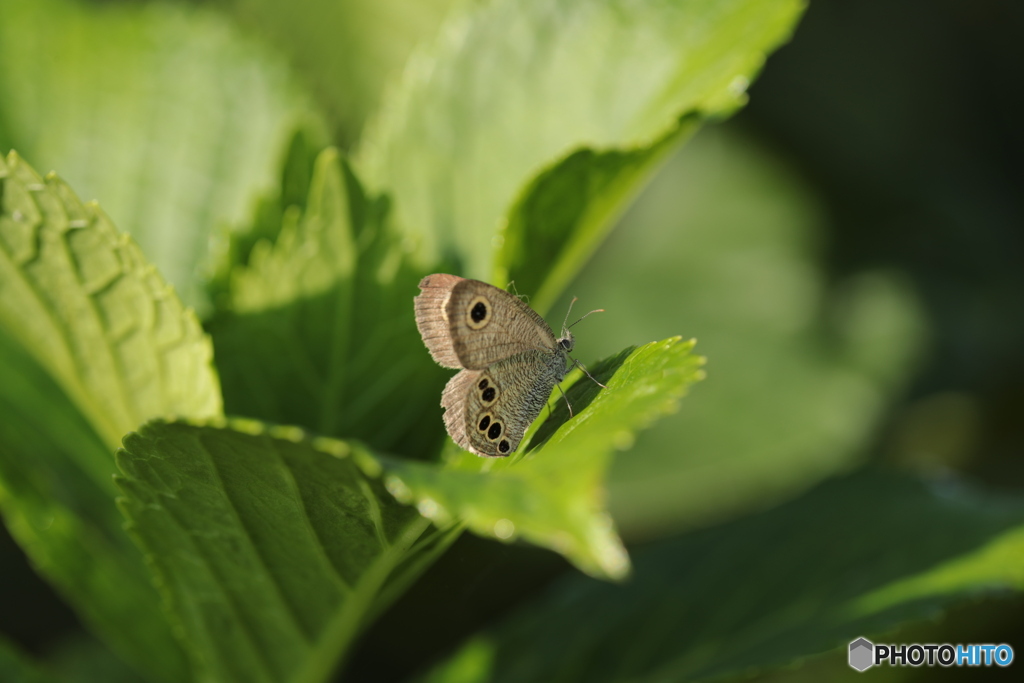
[615, 563]
[129, 441]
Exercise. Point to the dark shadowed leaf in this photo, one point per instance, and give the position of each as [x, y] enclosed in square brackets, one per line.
[854, 557]
[273, 549]
[15, 667]
[320, 330]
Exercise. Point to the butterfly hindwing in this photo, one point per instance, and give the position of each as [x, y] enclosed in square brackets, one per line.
[504, 400]
[453, 400]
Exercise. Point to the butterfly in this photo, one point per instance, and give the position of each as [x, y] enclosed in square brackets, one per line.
[508, 356]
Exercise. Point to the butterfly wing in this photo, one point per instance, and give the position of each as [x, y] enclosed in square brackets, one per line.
[432, 319]
[471, 324]
[454, 401]
[488, 411]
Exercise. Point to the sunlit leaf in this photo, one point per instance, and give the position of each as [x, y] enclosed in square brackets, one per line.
[511, 88]
[347, 51]
[553, 496]
[92, 343]
[173, 120]
[82, 299]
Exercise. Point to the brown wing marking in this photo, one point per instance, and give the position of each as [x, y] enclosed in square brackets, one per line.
[432, 319]
[453, 399]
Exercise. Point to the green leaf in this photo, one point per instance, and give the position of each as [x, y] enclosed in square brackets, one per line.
[320, 331]
[81, 298]
[57, 499]
[854, 557]
[565, 214]
[296, 175]
[79, 658]
[348, 51]
[273, 549]
[723, 246]
[173, 120]
[16, 667]
[553, 495]
[92, 344]
[512, 88]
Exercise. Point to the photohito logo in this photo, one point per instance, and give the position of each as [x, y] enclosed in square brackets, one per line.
[864, 654]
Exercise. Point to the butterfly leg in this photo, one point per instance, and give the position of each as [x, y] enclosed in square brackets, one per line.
[567, 404]
[580, 366]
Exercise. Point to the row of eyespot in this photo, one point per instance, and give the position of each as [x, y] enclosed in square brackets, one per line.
[493, 430]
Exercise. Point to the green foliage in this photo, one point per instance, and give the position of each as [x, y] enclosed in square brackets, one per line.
[271, 547]
[565, 213]
[58, 503]
[552, 496]
[16, 669]
[545, 82]
[330, 302]
[316, 299]
[697, 611]
[517, 136]
[94, 342]
[83, 301]
[347, 52]
[172, 118]
[792, 392]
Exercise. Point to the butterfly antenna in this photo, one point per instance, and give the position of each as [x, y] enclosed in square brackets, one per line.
[569, 327]
[596, 310]
[566, 319]
[580, 366]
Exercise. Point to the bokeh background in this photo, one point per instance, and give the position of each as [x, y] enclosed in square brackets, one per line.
[848, 251]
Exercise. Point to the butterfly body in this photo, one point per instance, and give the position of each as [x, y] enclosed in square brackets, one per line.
[508, 357]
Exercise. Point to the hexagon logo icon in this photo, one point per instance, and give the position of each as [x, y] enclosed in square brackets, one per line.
[862, 653]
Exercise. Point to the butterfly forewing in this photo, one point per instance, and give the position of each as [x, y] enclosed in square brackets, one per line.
[488, 324]
[432, 318]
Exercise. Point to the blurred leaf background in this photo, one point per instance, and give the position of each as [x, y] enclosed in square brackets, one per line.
[846, 250]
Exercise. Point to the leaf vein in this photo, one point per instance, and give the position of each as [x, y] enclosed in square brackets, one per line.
[253, 546]
[320, 546]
